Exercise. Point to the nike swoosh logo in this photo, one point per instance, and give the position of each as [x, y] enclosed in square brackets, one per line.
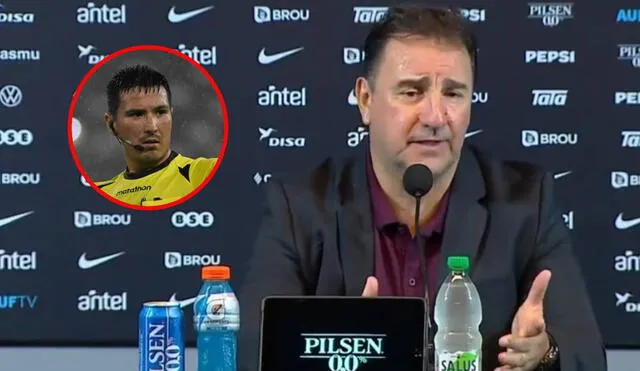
[263, 58]
[181, 17]
[472, 133]
[560, 175]
[85, 263]
[11, 219]
[626, 224]
[183, 303]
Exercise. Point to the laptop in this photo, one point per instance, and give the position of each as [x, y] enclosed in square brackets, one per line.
[320, 333]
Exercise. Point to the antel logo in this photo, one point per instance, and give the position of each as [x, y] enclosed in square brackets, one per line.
[192, 219]
[104, 14]
[355, 137]
[93, 301]
[18, 262]
[175, 259]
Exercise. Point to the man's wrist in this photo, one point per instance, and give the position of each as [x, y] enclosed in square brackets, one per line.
[550, 360]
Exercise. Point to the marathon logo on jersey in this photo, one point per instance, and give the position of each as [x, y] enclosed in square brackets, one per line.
[105, 302]
[369, 14]
[351, 55]
[533, 138]
[627, 97]
[133, 190]
[192, 219]
[629, 52]
[628, 16]
[87, 52]
[96, 14]
[622, 179]
[9, 17]
[629, 262]
[568, 219]
[264, 14]
[85, 219]
[630, 139]
[285, 97]
[19, 55]
[266, 136]
[343, 352]
[174, 259]
[18, 262]
[17, 301]
[19, 178]
[551, 14]
[261, 178]
[549, 97]
[355, 137]
[624, 300]
[204, 56]
[13, 137]
[474, 15]
[550, 56]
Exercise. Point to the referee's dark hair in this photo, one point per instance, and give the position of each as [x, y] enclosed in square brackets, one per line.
[443, 24]
[136, 77]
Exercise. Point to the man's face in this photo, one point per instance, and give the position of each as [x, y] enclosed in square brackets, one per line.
[144, 118]
[418, 107]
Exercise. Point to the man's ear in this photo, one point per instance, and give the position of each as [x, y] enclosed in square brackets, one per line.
[108, 120]
[363, 96]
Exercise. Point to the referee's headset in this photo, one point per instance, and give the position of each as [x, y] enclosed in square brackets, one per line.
[120, 139]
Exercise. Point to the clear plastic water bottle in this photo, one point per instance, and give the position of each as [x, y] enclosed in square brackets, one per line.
[216, 318]
[458, 314]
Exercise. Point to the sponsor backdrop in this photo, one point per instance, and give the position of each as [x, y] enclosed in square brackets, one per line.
[75, 269]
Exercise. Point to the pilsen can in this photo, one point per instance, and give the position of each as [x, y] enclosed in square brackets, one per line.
[161, 337]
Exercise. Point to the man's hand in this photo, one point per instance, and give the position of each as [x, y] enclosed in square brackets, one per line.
[528, 341]
[371, 287]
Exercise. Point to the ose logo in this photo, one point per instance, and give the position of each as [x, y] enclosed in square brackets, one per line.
[192, 219]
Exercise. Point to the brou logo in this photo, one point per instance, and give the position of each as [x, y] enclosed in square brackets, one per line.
[344, 352]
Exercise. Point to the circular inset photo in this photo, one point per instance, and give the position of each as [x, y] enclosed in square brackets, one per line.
[148, 127]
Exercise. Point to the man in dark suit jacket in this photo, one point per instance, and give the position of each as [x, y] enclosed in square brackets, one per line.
[347, 227]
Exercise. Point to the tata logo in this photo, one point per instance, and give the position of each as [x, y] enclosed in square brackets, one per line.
[549, 97]
[369, 14]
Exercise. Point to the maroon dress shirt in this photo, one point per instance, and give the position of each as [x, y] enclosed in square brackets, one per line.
[397, 263]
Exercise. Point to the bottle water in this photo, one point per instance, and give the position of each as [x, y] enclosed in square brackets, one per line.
[216, 318]
[458, 314]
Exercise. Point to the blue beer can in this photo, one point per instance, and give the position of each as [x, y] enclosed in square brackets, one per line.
[161, 337]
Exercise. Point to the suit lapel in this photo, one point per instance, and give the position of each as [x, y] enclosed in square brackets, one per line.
[466, 216]
[355, 224]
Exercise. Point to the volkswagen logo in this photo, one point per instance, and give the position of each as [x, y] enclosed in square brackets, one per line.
[10, 96]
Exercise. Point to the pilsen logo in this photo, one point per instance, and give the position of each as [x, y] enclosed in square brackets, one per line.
[344, 352]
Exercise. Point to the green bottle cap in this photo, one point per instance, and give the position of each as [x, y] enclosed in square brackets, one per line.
[458, 263]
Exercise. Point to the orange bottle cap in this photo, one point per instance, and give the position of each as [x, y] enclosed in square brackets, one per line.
[216, 272]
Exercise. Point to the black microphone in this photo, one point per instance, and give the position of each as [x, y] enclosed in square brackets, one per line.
[120, 139]
[137, 147]
[417, 181]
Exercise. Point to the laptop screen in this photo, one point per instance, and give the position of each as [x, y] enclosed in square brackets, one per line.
[342, 334]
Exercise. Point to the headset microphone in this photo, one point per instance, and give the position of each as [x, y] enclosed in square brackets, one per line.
[120, 139]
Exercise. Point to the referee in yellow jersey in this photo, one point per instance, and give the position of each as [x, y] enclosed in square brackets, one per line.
[140, 117]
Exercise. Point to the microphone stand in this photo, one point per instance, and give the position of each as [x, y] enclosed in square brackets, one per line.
[423, 266]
